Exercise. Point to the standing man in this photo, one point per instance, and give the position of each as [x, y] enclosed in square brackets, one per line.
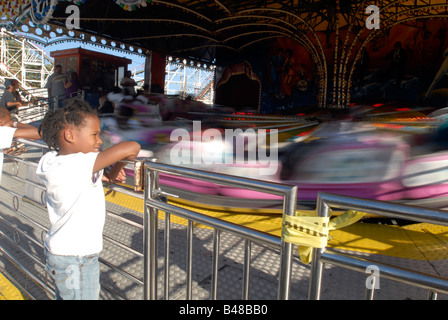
[56, 89]
[9, 100]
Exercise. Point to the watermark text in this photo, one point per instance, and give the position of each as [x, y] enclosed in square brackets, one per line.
[236, 146]
[373, 20]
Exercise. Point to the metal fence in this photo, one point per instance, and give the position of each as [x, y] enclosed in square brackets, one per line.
[433, 284]
[27, 236]
[154, 201]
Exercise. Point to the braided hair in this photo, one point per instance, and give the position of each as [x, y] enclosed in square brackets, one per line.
[54, 122]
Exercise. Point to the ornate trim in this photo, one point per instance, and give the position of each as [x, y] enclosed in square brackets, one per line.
[131, 5]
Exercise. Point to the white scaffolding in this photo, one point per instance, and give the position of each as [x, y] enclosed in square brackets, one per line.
[24, 61]
[189, 79]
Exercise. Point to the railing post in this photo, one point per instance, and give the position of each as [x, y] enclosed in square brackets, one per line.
[370, 292]
[289, 208]
[215, 265]
[246, 270]
[167, 237]
[189, 261]
[151, 182]
[316, 265]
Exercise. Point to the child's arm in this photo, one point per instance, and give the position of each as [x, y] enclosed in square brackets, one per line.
[24, 131]
[127, 150]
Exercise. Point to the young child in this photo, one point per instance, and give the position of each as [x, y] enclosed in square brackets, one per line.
[10, 129]
[72, 173]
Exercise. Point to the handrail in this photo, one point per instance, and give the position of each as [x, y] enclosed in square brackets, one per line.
[154, 200]
[320, 255]
[220, 226]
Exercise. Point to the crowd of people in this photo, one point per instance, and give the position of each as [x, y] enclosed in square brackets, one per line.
[61, 87]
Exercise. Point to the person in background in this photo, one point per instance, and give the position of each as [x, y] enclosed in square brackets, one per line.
[72, 85]
[16, 93]
[105, 105]
[72, 172]
[55, 87]
[9, 100]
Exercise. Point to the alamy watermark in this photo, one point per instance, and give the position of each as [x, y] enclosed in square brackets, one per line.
[72, 21]
[373, 21]
[235, 146]
[373, 280]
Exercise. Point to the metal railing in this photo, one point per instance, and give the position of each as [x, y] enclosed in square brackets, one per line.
[326, 201]
[18, 232]
[35, 111]
[37, 108]
[155, 200]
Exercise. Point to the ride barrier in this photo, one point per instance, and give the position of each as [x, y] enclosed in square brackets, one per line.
[154, 201]
[434, 284]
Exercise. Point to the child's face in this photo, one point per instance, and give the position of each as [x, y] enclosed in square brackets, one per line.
[87, 138]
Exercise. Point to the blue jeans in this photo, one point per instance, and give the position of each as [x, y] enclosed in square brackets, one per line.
[76, 278]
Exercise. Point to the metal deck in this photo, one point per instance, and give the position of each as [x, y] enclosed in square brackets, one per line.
[419, 247]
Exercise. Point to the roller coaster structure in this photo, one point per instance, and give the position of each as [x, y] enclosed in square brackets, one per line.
[26, 62]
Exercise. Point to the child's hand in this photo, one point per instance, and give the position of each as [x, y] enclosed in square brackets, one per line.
[116, 175]
[120, 177]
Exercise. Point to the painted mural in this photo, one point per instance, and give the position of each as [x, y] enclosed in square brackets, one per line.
[403, 65]
[406, 63]
[289, 77]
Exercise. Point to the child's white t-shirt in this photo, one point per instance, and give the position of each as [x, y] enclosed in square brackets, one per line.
[6, 136]
[75, 203]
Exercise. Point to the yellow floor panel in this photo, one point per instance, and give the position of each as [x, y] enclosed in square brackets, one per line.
[418, 241]
[8, 291]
